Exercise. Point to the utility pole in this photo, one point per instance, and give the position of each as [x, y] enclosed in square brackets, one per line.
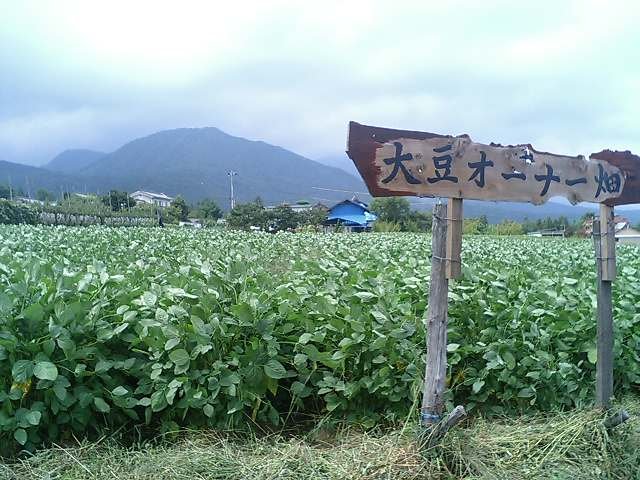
[232, 174]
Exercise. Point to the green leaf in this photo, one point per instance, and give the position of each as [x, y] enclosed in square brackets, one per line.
[60, 391]
[119, 391]
[20, 435]
[526, 392]
[149, 299]
[365, 296]
[22, 370]
[158, 401]
[477, 386]
[172, 342]
[45, 371]
[208, 410]
[592, 355]
[180, 357]
[509, 359]
[34, 312]
[33, 417]
[5, 303]
[274, 369]
[452, 347]
[101, 405]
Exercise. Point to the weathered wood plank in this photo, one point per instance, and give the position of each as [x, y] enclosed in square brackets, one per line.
[608, 241]
[436, 367]
[604, 341]
[454, 238]
[406, 163]
[628, 163]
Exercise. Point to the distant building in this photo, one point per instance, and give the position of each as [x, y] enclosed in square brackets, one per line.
[29, 200]
[623, 231]
[550, 232]
[159, 199]
[352, 214]
[299, 206]
[626, 234]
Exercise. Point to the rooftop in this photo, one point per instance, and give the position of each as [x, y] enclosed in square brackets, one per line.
[160, 196]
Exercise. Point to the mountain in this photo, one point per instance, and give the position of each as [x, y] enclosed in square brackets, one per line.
[72, 161]
[31, 179]
[193, 162]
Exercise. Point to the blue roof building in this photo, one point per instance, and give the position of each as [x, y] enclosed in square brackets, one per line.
[351, 213]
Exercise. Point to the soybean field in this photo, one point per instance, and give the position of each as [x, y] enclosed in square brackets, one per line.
[103, 328]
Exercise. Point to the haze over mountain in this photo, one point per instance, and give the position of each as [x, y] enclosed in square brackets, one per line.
[72, 161]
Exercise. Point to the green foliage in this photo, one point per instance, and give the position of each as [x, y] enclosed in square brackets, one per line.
[384, 226]
[418, 222]
[117, 200]
[178, 211]
[313, 217]
[283, 218]
[247, 215]
[211, 328]
[208, 209]
[397, 211]
[9, 192]
[475, 226]
[45, 195]
[559, 223]
[14, 213]
[507, 227]
[391, 209]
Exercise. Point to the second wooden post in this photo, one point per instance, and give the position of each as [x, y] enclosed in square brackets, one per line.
[604, 240]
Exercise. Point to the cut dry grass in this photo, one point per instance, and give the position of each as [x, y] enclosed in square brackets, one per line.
[571, 445]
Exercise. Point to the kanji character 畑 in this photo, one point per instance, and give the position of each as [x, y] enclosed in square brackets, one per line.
[607, 182]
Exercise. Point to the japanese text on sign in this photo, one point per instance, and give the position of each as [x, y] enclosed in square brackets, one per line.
[457, 167]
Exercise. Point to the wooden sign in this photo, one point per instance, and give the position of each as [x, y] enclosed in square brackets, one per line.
[409, 163]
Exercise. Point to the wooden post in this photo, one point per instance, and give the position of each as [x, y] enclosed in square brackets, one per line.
[454, 238]
[436, 368]
[604, 241]
[608, 239]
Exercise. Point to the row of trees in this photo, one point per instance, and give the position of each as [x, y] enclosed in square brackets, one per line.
[395, 215]
[254, 215]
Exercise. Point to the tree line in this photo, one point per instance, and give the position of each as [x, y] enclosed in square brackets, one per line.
[394, 214]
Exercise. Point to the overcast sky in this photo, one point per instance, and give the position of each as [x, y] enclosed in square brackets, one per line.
[87, 74]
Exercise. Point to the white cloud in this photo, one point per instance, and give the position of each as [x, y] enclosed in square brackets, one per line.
[559, 75]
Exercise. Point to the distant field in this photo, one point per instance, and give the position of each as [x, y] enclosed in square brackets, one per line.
[103, 328]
